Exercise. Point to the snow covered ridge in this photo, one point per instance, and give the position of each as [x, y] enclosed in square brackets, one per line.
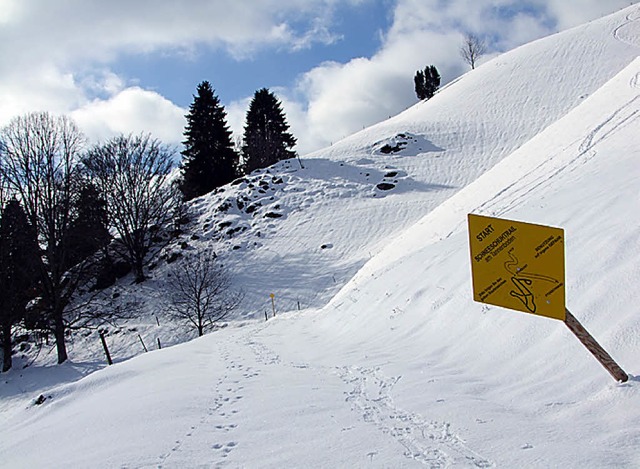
[390, 363]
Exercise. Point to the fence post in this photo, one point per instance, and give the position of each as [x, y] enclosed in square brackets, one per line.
[106, 349]
[142, 342]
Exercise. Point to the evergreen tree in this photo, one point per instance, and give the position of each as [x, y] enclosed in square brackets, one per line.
[19, 263]
[418, 80]
[209, 160]
[427, 82]
[88, 231]
[266, 136]
[431, 80]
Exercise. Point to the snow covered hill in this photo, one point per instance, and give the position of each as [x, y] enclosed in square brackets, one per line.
[444, 144]
[389, 362]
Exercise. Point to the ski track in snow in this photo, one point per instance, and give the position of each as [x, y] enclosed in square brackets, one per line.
[431, 443]
[623, 116]
[631, 38]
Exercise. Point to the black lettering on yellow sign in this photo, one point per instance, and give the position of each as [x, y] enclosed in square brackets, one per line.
[518, 265]
[484, 233]
[497, 244]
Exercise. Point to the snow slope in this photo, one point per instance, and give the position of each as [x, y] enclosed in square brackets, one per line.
[390, 363]
[450, 140]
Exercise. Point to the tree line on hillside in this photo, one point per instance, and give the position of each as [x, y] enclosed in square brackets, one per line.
[209, 157]
[75, 218]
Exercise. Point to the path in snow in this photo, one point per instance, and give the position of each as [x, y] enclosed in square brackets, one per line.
[432, 443]
[211, 435]
[360, 400]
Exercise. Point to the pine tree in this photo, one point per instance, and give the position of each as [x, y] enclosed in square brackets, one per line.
[209, 160]
[418, 80]
[427, 82]
[19, 262]
[266, 136]
[431, 80]
[88, 231]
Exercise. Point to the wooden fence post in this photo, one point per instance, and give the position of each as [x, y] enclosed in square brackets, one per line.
[106, 349]
[142, 342]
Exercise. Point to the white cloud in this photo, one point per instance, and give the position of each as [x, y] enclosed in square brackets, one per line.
[44, 88]
[341, 98]
[574, 13]
[132, 110]
[57, 55]
[67, 31]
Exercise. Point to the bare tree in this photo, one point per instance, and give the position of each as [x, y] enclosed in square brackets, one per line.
[201, 292]
[472, 49]
[39, 164]
[132, 174]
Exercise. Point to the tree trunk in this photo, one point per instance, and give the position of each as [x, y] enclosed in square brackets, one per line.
[6, 347]
[58, 332]
[138, 270]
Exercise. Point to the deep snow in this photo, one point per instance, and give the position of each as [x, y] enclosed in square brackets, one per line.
[389, 362]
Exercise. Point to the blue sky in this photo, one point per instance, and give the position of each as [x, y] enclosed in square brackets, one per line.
[357, 30]
[337, 65]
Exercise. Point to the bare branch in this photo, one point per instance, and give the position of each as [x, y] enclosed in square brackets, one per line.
[132, 174]
[472, 49]
[39, 160]
[201, 293]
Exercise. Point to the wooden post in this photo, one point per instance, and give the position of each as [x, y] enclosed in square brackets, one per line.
[142, 342]
[601, 355]
[266, 318]
[106, 349]
[159, 346]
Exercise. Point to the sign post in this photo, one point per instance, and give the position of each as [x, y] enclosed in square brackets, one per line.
[273, 304]
[520, 266]
[596, 350]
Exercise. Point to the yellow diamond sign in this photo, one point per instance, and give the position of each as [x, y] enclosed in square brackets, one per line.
[518, 265]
